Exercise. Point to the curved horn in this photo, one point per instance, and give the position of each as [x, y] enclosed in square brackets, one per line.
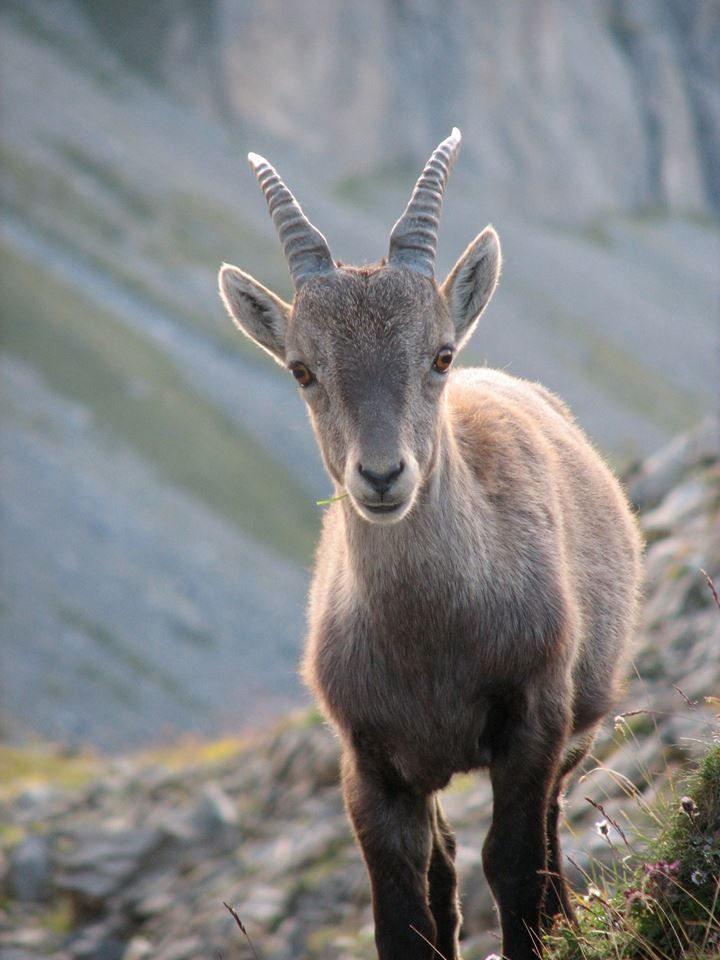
[413, 241]
[306, 249]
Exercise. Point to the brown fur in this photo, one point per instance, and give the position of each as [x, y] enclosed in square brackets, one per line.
[484, 623]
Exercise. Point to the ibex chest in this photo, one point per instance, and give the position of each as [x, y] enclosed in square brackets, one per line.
[406, 670]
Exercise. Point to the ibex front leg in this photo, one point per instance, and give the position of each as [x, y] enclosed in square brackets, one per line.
[394, 828]
[515, 856]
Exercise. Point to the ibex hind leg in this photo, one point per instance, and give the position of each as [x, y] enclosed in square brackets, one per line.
[524, 772]
[557, 899]
[442, 885]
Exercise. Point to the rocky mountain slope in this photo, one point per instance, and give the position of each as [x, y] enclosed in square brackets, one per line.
[361, 88]
[132, 858]
[159, 476]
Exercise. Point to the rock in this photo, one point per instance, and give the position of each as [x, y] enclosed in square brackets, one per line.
[187, 948]
[478, 905]
[686, 499]
[139, 948]
[97, 942]
[36, 798]
[30, 937]
[264, 905]
[29, 876]
[18, 953]
[103, 863]
[215, 817]
[4, 872]
[153, 905]
[303, 844]
[649, 482]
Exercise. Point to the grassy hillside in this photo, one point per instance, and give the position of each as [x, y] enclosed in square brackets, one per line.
[135, 393]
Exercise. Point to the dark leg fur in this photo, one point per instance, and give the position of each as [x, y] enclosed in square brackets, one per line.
[524, 771]
[442, 882]
[557, 898]
[394, 827]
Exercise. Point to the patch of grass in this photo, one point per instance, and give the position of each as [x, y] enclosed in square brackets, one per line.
[639, 725]
[121, 692]
[24, 767]
[332, 941]
[664, 901]
[461, 783]
[308, 719]
[685, 905]
[632, 383]
[37, 193]
[139, 32]
[10, 833]
[182, 231]
[190, 752]
[59, 918]
[361, 189]
[62, 42]
[597, 233]
[625, 378]
[137, 395]
[193, 636]
[125, 193]
[598, 230]
[204, 232]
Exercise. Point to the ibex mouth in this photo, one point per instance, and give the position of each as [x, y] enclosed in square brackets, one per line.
[382, 512]
[382, 507]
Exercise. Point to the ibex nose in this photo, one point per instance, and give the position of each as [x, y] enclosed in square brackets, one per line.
[381, 482]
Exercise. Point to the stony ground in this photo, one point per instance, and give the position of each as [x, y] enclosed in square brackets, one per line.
[132, 858]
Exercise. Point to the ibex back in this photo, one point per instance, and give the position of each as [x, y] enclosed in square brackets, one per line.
[475, 589]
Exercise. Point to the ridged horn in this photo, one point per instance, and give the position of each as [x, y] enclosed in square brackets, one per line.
[306, 249]
[413, 241]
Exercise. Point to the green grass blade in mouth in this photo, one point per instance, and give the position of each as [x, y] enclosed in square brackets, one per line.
[324, 503]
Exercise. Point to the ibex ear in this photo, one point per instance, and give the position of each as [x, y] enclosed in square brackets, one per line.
[471, 283]
[257, 311]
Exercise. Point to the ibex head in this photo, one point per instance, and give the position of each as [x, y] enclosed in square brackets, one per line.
[370, 347]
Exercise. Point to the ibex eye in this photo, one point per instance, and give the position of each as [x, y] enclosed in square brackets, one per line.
[302, 374]
[443, 359]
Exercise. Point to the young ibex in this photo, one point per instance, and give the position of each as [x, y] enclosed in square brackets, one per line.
[474, 589]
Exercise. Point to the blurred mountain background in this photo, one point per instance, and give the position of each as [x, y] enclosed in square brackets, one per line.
[159, 476]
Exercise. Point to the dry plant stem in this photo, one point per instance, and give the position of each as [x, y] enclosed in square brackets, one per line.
[639, 713]
[423, 937]
[240, 924]
[691, 703]
[708, 580]
[577, 866]
[599, 806]
[712, 914]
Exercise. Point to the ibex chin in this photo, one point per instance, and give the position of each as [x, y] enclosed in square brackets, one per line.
[475, 585]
